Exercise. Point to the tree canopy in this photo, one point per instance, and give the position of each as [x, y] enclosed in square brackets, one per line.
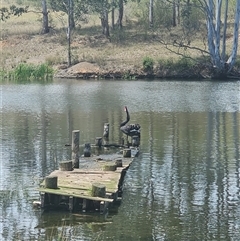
[5, 13]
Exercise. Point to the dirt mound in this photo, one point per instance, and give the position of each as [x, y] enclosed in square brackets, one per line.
[80, 70]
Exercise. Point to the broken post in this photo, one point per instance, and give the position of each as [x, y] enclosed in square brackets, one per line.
[98, 141]
[65, 166]
[51, 182]
[75, 148]
[87, 150]
[127, 153]
[98, 190]
[106, 130]
[118, 162]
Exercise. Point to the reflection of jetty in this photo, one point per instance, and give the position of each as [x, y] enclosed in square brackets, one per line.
[87, 184]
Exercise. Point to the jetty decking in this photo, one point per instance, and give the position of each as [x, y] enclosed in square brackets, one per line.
[74, 188]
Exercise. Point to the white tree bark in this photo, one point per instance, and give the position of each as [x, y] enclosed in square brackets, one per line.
[151, 13]
[215, 31]
[232, 58]
[224, 31]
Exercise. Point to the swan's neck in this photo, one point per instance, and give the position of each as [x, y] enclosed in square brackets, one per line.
[127, 120]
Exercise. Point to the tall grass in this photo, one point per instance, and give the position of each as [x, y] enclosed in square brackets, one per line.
[28, 72]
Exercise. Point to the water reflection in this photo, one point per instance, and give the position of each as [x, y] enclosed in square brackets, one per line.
[183, 186]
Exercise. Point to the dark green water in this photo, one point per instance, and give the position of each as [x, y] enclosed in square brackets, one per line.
[183, 186]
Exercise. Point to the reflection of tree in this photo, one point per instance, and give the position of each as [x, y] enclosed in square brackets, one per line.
[187, 174]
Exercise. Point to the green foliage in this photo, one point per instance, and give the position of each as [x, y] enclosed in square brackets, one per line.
[191, 16]
[162, 14]
[5, 13]
[237, 62]
[148, 63]
[28, 72]
[184, 63]
[128, 76]
[170, 64]
[80, 8]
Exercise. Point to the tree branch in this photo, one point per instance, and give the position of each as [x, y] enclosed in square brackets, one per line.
[180, 46]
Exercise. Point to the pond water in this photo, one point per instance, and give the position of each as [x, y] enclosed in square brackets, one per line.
[183, 186]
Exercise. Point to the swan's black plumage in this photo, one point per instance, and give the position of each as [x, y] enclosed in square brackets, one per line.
[130, 129]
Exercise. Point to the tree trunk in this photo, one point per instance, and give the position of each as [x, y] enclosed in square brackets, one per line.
[69, 32]
[151, 13]
[232, 59]
[45, 27]
[214, 39]
[223, 56]
[71, 12]
[113, 15]
[104, 22]
[120, 14]
[174, 19]
[221, 66]
[178, 11]
[113, 18]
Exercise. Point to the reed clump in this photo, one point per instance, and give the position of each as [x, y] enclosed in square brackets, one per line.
[24, 72]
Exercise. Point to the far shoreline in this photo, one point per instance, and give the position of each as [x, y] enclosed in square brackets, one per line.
[86, 70]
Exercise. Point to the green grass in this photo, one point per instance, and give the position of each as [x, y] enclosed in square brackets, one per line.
[28, 72]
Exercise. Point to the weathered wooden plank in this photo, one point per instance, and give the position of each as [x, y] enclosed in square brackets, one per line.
[78, 182]
[71, 192]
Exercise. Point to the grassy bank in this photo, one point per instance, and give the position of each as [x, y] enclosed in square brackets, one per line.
[125, 52]
[28, 72]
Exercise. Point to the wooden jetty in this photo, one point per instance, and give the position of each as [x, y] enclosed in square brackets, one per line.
[92, 186]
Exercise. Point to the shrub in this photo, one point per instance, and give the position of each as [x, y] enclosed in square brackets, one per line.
[184, 63]
[148, 64]
[28, 72]
[237, 63]
[170, 64]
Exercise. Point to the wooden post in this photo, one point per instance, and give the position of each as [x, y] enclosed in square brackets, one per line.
[98, 141]
[127, 153]
[118, 162]
[106, 130]
[42, 198]
[87, 150]
[84, 205]
[65, 166]
[135, 140]
[98, 190]
[70, 204]
[75, 148]
[103, 207]
[122, 141]
[51, 182]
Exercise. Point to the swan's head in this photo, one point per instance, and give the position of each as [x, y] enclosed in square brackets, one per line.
[125, 108]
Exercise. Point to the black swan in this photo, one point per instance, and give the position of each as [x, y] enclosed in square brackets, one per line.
[130, 129]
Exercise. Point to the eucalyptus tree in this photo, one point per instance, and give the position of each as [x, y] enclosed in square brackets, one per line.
[217, 27]
[120, 12]
[151, 13]
[103, 7]
[45, 26]
[78, 11]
